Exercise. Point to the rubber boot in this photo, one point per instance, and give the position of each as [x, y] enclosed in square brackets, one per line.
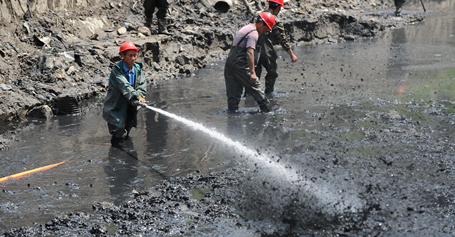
[162, 27]
[265, 106]
[233, 109]
[149, 22]
[116, 141]
[127, 137]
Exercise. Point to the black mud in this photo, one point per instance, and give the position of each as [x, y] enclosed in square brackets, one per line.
[359, 143]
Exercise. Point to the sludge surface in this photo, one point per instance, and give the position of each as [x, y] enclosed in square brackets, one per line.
[364, 127]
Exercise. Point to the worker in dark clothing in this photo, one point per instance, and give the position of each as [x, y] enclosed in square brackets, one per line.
[268, 56]
[127, 86]
[239, 69]
[163, 8]
[398, 5]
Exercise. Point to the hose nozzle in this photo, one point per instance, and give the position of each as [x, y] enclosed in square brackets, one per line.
[137, 103]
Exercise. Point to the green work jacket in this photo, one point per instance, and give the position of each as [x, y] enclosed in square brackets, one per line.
[121, 93]
[276, 36]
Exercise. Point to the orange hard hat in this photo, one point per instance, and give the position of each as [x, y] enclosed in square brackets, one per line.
[279, 2]
[128, 45]
[268, 18]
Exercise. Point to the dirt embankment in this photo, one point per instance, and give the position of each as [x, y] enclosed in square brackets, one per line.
[53, 54]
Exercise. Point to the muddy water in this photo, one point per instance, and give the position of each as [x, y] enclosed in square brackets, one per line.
[323, 105]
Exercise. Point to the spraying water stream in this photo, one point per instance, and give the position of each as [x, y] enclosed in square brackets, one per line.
[330, 201]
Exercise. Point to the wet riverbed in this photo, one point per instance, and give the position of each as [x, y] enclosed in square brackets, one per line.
[357, 127]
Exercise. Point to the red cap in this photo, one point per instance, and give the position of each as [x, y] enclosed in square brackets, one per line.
[280, 2]
[268, 18]
[128, 45]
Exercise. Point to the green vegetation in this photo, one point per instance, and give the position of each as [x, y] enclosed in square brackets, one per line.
[371, 123]
[439, 86]
[375, 151]
[199, 193]
[449, 108]
[111, 229]
[298, 137]
[423, 118]
[351, 136]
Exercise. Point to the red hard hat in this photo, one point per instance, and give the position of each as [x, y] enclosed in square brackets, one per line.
[268, 18]
[128, 45]
[280, 2]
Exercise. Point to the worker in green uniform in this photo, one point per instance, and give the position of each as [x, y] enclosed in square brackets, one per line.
[268, 55]
[161, 14]
[127, 87]
[398, 5]
[239, 70]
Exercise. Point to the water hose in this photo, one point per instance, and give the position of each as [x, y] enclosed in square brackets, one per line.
[18, 175]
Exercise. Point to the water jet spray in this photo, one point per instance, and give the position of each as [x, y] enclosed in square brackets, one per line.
[330, 200]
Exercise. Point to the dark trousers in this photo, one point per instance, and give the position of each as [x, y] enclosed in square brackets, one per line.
[237, 77]
[399, 4]
[271, 67]
[150, 5]
[235, 81]
[118, 132]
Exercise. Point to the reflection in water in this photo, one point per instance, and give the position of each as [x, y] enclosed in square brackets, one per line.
[157, 126]
[398, 59]
[261, 130]
[121, 170]
[156, 131]
[65, 122]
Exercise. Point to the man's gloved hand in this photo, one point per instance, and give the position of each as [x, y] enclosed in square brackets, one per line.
[142, 100]
[139, 103]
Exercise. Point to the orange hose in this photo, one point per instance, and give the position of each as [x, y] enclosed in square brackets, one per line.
[30, 172]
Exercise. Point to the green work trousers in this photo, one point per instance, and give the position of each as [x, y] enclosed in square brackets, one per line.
[118, 132]
[267, 59]
[150, 5]
[399, 4]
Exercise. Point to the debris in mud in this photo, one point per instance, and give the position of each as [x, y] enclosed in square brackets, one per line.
[165, 211]
[3, 143]
[391, 114]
